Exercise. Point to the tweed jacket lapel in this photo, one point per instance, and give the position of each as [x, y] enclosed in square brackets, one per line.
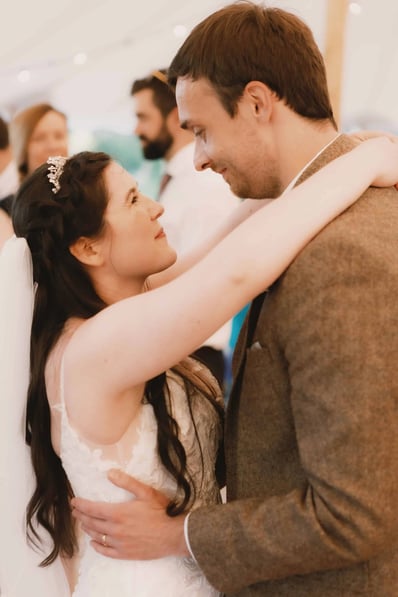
[341, 145]
[245, 338]
[247, 330]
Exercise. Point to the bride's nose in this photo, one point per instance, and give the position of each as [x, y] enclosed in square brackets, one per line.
[155, 209]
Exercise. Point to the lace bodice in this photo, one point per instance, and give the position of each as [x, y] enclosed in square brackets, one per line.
[136, 453]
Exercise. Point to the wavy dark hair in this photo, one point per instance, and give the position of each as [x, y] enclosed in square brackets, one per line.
[51, 223]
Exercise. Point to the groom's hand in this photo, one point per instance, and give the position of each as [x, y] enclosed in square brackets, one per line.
[138, 529]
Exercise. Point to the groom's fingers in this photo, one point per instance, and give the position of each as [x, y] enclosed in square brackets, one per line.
[130, 484]
[109, 552]
[98, 517]
[95, 527]
[98, 510]
[137, 488]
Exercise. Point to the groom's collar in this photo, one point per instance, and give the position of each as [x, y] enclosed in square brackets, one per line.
[308, 164]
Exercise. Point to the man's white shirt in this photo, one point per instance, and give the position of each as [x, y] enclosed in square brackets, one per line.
[195, 203]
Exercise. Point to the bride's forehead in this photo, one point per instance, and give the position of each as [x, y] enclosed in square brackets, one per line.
[117, 175]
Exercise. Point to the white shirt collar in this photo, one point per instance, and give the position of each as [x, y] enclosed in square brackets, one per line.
[295, 179]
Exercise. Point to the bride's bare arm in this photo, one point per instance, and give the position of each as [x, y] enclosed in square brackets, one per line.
[247, 208]
[137, 338]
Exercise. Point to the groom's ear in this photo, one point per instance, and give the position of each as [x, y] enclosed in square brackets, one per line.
[87, 251]
[260, 98]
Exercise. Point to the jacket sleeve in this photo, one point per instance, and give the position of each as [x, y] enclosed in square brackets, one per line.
[337, 326]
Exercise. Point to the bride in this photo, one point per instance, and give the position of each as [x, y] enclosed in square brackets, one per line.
[113, 312]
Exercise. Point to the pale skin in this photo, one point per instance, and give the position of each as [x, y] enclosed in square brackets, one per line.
[111, 349]
[6, 229]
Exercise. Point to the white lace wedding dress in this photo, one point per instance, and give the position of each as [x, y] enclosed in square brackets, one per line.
[87, 465]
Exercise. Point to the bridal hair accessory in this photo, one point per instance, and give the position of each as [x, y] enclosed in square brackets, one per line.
[55, 169]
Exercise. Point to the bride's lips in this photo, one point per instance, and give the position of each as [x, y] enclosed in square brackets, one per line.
[160, 234]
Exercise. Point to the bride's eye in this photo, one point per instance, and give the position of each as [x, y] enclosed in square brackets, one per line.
[133, 196]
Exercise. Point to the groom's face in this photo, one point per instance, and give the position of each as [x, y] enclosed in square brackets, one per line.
[239, 147]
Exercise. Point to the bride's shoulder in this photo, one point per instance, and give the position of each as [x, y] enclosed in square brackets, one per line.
[54, 363]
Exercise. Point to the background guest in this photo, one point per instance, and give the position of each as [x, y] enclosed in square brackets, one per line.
[8, 182]
[36, 133]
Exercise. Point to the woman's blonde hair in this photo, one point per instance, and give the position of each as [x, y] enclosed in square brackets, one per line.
[21, 128]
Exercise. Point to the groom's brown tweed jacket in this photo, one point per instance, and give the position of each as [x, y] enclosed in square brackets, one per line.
[312, 423]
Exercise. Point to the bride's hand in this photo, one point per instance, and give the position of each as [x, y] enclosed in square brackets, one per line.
[383, 159]
[366, 135]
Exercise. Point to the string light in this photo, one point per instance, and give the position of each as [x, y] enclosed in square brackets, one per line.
[80, 58]
[25, 73]
[24, 76]
[355, 8]
[180, 31]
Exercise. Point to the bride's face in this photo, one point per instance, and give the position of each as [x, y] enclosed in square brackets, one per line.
[134, 243]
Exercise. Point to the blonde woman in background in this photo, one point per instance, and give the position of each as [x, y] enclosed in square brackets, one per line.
[36, 133]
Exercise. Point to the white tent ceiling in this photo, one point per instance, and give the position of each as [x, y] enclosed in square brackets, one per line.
[125, 39]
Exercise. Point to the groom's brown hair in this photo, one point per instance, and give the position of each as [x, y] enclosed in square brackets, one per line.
[245, 42]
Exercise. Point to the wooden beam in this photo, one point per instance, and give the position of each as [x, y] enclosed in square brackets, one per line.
[334, 50]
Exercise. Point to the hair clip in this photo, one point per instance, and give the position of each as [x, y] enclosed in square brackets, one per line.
[162, 77]
[55, 169]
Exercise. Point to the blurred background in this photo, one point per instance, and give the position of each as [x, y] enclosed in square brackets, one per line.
[82, 56]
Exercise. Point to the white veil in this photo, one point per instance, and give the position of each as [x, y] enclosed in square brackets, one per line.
[20, 574]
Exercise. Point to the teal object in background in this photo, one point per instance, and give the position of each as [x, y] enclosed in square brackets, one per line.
[236, 325]
[237, 322]
[126, 150]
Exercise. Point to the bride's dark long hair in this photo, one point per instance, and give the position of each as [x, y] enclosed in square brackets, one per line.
[51, 223]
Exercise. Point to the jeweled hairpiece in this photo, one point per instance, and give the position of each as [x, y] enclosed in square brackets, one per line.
[55, 169]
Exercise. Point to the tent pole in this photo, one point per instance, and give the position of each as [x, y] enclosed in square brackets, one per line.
[334, 51]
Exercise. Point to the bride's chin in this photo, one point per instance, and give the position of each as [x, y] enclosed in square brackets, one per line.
[173, 256]
[168, 261]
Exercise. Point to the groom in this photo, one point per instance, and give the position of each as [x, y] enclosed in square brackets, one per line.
[312, 422]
